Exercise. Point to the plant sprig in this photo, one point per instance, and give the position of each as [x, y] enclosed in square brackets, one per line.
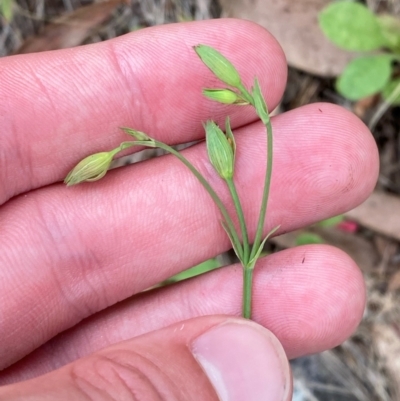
[221, 149]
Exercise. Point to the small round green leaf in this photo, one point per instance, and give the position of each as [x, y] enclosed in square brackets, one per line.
[365, 76]
[352, 26]
[391, 92]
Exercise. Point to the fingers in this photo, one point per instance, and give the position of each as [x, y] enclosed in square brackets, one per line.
[312, 298]
[214, 358]
[58, 107]
[99, 244]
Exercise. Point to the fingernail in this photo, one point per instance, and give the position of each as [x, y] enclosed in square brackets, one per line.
[243, 361]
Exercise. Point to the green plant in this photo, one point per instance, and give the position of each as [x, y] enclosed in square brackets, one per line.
[352, 26]
[221, 149]
[6, 9]
[204, 267]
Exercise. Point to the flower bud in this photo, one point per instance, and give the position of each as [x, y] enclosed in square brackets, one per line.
[140, 136]
[225, 96]
[220, 150]
[142, 139]
[219, 65]
[91, 168]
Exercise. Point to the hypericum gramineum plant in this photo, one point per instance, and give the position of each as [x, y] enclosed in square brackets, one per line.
[221, 150]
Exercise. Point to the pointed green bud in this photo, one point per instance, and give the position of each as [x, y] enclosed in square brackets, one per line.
[219, 65]
[140, 136]
[259, 103]
[91, 168]
[225, 96]
[220, 150]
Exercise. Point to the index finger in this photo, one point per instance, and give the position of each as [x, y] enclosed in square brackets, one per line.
[57, 107]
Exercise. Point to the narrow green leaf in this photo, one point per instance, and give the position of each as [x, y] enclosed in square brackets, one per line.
[219, 65]
[391, 92]
[352, 26]
[238, 252]
[229, 135]
[259, 103]
[307, 238]
[365, 76]
[261, 247]
[202, 268]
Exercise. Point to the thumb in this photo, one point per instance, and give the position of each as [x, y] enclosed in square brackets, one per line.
[213, 358]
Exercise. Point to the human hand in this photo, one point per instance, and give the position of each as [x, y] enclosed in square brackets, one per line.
[69, 255]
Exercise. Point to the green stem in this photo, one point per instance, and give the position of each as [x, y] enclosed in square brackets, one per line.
[248, 270]
[239, 211]
[210, 190]
[156, 144]
[246, 94]
[247, 290]
[268, 174]
[267, 183]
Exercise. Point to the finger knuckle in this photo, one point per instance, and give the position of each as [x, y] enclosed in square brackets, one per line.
[122, 375]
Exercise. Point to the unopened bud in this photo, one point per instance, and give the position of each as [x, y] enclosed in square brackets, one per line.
[91, 168]
[140, 136]
[225, 96]
[220, 150]
[219, 65]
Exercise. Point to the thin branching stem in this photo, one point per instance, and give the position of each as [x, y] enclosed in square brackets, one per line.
[235, 238]
[242, 222]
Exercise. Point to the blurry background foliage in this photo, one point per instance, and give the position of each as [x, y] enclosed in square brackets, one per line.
[353, 26]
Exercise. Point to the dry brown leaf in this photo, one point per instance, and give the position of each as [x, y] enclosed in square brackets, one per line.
[70, 29]
[363, 106]
[380, 213]
[387, 342]
[295, 26]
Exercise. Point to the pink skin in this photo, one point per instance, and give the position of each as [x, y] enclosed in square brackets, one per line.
[68, 253]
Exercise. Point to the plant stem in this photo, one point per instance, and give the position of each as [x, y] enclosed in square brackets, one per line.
[247, 290]
[210, 190]
[246, 94]
[248, 270]
[267, 185]
[243, 228]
